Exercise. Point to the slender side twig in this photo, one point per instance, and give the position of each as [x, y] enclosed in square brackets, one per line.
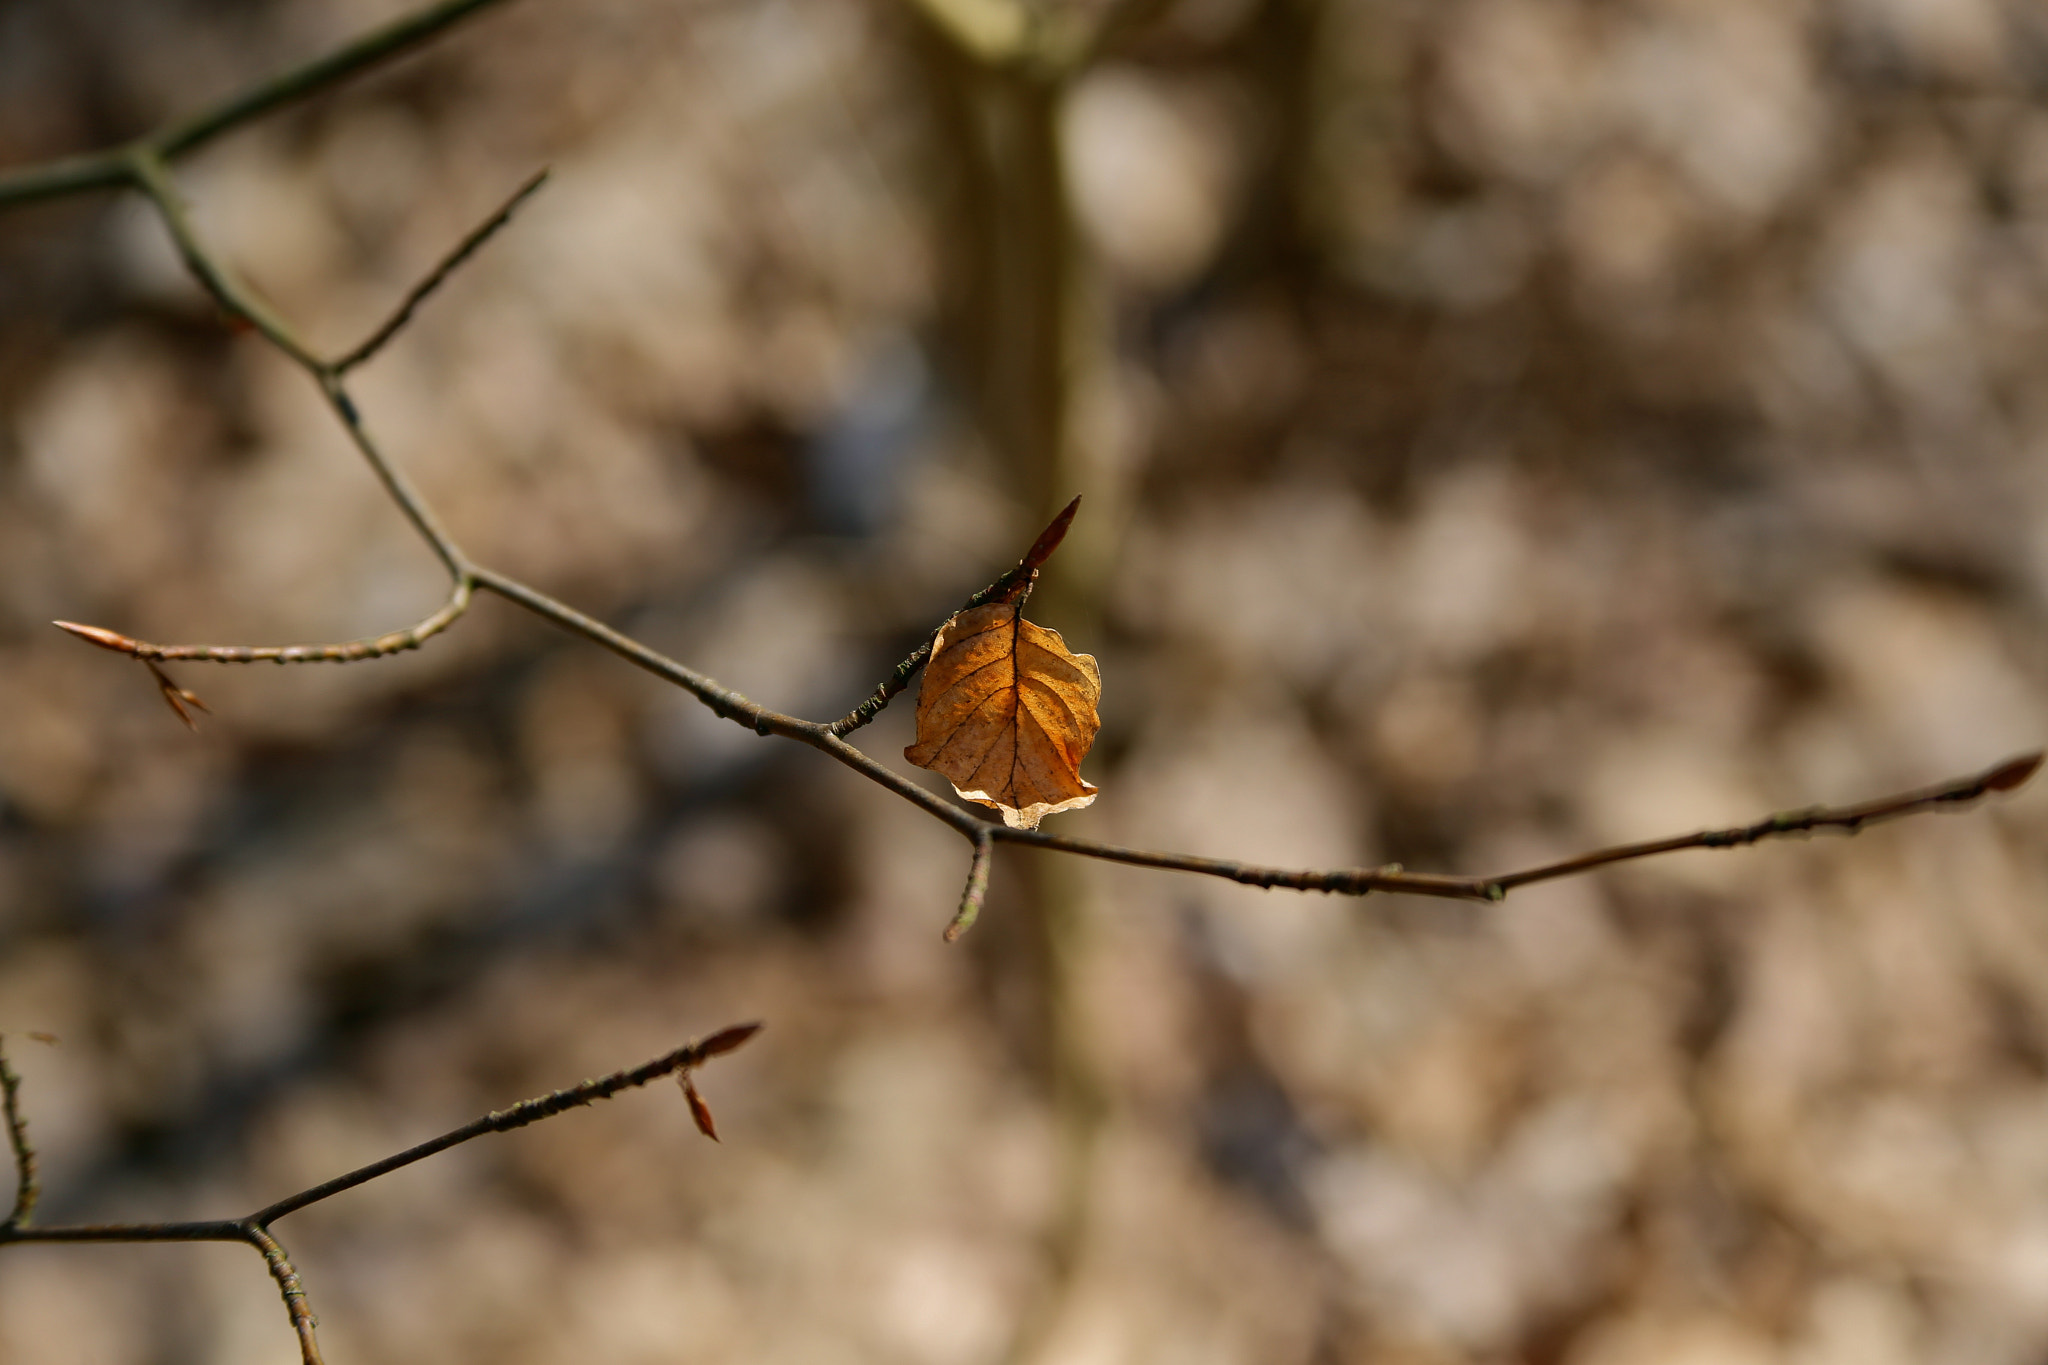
[977, 885]
[290, 1287]
[154, 180]
[464, 249]
[688, 1057]
[373, 647]
[254, 1228]
[25, 1186]
[1012, 584]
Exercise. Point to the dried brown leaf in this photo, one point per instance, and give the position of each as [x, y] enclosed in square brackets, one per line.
[1006, 713]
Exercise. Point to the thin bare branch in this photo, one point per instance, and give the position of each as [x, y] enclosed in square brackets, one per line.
[723, 701]
[25, 1186]
[1953, 795]
[464, 249]
[69, 176]
[153, 177]
[146, 166]
[977, 885]
[217, 1230]
[1003, 33]
[373, 647]
[254, 1229]
[687, 1057]
[288, 1284]
[378, 45]
[2007, 776]
[397, 484]
[690, 1056]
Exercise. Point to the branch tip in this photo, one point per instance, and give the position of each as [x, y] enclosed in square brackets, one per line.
[433, 280]
[2013, 773]
[976, 890]
[726, 1039]
[1049, 539]
[105, 639]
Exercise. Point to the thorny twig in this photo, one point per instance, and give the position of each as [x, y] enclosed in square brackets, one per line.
[254, 1228]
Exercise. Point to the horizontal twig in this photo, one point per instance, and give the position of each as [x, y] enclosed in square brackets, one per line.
[2002, 777]
[114, 167]
[349, 651]
[70, 175]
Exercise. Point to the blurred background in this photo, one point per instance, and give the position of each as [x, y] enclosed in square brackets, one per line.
[1507, 427]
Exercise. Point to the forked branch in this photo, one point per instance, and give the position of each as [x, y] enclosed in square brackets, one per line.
[254, 1228]
[415, 296]
[151, 176]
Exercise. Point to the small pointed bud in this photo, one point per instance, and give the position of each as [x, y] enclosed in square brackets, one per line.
[2013, 772]
[726, 1039]
[699, 1111]
[105, 639]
